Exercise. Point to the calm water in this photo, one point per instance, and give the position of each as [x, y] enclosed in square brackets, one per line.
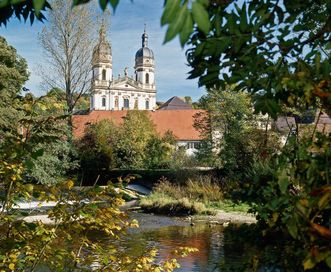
[219, 250]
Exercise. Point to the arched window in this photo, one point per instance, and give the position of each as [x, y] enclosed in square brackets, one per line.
[147, 104]
[147, 78]
[103, 101]
[104, 74]
[126, 103]
[116, 102]
[136, 103]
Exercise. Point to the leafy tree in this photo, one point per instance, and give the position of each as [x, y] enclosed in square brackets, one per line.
[159, 152]
[97, 149]
[136, 133]
[134, 144]
[233, 137]
[13, 74]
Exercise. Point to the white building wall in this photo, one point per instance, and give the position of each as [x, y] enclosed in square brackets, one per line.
[189, 146]
[98, 72]
[110, 100]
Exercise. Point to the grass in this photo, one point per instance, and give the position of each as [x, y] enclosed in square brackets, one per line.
[200, 196]
[163, 204]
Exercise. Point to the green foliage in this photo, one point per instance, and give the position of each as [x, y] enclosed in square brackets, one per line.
[131, 145]
[33, 9]
[55, 163]
[234, 137]
[291, 194]
[30, 9]
[137, 132]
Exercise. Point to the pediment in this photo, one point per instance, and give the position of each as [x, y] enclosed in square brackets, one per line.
[125, 84]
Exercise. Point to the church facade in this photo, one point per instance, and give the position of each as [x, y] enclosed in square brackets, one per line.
[124, 92]
[111, 98]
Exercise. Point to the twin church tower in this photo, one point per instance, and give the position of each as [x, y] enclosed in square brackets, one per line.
[122, 92]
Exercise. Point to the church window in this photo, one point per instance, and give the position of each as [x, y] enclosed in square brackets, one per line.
[126, 103]
[103, 101]
[136, 103]
[104, 74]
[147, 104]
[116, 102]
[147, 78]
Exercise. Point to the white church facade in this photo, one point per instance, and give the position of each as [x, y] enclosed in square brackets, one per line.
[111, 98]
[123, 92]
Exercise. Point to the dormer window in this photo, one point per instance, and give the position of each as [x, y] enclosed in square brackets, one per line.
[104, 74]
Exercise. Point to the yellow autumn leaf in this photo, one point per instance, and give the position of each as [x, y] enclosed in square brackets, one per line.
[11, 266]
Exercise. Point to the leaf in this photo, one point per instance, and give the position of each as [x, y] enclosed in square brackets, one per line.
[103, 4]
[323, 231]
[292, 228]
[177, 24]
[187, 30]
[328, 261]
[11, 266]
[308, 264]
[283, 181]
[170, 10]
[201, 17]
[114, 3]
[243, 18]
[324, 200]
[38, 6]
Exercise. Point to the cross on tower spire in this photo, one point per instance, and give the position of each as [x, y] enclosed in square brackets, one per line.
[145, 38]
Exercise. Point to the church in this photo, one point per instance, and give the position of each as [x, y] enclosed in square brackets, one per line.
[111, 98]
[123, 92]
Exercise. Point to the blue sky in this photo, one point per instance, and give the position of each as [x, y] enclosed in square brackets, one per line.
[127, 26]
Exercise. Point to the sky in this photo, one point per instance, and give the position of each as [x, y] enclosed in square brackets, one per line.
[127, 25]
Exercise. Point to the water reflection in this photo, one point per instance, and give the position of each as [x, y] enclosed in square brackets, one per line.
[208, 239]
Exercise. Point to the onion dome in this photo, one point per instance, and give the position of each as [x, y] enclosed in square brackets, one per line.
[144, 51]
[102, 51]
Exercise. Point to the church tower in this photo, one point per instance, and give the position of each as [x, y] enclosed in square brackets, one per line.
[144, 65]
[102, 69]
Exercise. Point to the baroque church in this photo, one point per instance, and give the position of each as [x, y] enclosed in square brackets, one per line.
[112, 97]
[124, 92]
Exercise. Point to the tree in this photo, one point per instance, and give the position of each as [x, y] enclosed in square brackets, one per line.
[13, 74]
[233, 134]
[67, 42]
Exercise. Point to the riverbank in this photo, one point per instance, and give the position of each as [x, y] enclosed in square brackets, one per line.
[151, 220]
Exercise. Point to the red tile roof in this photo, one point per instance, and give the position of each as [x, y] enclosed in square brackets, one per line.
[180, 122]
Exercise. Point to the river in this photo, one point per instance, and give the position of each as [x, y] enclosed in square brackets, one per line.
[219, 250]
